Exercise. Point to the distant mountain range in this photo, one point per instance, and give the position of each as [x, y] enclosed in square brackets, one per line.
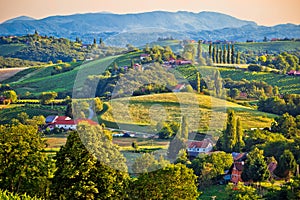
[141, 28]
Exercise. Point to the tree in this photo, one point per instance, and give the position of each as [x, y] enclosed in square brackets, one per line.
[171, 182]
[147, 163]
[24, 167]
[198, 82]
[241, 191]
[215, 54]
[210, 51]
[11, 95]
[232, 54]
[89, 166]
[47, 97]
[101, 43]
[218, 84]
[229, 135]
[238, 59]
[98, 105]
[228, 54]
[255, 168]
[184, 128]
[201, 60]
[175, 146]
[135, 145]
[234, 93]
[240, 144]
[220, 54]
[224, 55]
[285, 124]
[189, 52]
[286, 165]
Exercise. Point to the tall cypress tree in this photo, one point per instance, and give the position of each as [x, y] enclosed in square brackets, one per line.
[228, 54]
[240, 144]
[238, 61]
[232, 54]
[224, 55]
[220, 55]
[199, 49]
[198, 82]
[230, 132]
[210, 51]
[215, 54]
[184, 128]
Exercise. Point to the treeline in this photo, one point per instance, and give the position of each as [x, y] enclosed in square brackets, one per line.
[50, 49]
[289, 103]
[88, 166]
[16, 62]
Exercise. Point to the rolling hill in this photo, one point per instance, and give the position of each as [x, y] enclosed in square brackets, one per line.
[141, 28]
[202, 112]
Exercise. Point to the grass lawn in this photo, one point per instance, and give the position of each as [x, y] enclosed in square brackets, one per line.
[217, 191]
[201, 111]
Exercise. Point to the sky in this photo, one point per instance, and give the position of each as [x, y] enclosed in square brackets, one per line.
[263, 12]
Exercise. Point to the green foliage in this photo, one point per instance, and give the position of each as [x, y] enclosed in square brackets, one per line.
[171, 182]
[241, 192]
[230, 134]
[24, 168]
[286, 124]
[11, 95]
[47, 97]
[89, 166]
[240, 144]
[16, 62]
[5, 195]
[147, 163]
[189, 52]
[286, 165]
[255, 168]
[210, 167]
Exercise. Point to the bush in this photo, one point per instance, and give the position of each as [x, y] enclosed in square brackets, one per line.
[254, 68]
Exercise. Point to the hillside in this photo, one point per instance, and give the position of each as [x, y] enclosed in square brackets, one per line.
[201, 111]
[141, 28]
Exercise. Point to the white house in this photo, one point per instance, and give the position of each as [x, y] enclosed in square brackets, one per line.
[196, 147]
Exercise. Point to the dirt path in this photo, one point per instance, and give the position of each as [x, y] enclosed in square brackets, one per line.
[9, 72]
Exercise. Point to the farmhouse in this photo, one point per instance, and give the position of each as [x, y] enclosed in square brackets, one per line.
[238, 166]
[66, 123]
[144, 56]
[196, 147]
[293, 73]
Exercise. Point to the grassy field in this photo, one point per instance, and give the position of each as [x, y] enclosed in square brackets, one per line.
[202, 111]
[217, 191]
[10, 112]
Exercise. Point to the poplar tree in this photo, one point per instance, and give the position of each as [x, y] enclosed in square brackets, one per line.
[198, 82]
[240, 144]
[232, 54]
[224, 54]
[220, 55]
[210, 51]
[238, 61]
[229, 136]
[228, 53]
[215, 54]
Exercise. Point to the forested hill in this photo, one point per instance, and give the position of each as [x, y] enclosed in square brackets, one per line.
[141, 28]
[35, 47]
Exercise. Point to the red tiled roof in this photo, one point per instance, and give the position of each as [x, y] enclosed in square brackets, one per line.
[64, 122]
[239, 156]
[199, 144]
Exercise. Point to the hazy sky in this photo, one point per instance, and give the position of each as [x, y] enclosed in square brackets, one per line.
[264, 12]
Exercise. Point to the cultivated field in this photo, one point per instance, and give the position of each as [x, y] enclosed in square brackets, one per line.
[9, 72]
[202, 112]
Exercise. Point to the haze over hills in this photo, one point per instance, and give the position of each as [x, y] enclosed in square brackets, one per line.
[138, 29]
